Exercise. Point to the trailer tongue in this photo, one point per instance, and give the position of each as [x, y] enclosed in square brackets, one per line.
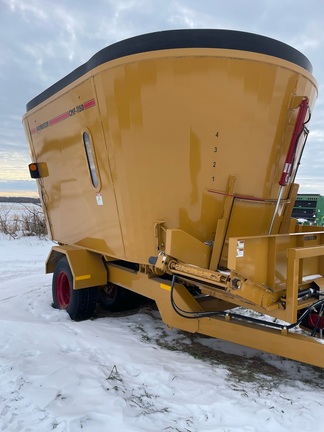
[166, 167]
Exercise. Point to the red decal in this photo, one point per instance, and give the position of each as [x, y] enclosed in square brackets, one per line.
[73, 111]
[89, 104]
[59, 118]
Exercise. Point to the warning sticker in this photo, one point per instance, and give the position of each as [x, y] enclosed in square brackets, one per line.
[240, 249]
[99, 199]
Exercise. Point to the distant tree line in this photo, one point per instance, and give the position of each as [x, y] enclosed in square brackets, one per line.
[19, 200]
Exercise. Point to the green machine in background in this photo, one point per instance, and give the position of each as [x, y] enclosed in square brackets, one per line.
[309, 209]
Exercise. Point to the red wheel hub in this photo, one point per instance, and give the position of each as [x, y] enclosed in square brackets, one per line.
[63, 290]
[314, 319]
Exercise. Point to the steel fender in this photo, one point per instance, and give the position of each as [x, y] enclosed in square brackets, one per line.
[87, 268]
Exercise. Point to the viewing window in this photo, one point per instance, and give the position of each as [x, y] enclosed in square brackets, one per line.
[90, 159]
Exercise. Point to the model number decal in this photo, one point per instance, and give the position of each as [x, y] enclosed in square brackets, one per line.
[76, 110]
[67, 114]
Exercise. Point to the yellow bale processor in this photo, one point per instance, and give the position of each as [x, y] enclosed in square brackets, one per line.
[166, 167]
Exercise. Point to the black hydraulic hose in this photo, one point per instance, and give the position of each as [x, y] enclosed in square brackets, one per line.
[307, 312]
[320, 314]
[309, 116]
[198, 314]
[189, 314]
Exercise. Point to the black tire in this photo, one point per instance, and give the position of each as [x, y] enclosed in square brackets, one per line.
[79, 304]
[116, 299]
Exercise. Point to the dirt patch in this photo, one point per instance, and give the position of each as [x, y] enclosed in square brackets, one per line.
[263, 370]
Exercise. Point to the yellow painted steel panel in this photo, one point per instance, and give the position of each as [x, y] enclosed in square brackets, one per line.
[168, 129]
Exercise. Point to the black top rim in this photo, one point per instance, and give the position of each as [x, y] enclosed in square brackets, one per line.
[173, 39]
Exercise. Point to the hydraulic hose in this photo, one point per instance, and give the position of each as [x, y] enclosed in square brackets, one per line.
[199, 314]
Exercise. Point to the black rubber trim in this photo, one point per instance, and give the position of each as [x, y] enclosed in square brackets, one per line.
[173, 39]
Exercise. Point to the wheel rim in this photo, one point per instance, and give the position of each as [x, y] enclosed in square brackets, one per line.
[63, 290]
[110, 292]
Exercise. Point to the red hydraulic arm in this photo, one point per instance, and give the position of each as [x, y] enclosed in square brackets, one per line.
[299, 126]
[289, 162]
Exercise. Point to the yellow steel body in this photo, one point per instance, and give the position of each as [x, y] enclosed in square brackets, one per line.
[168, 128]
[189, 145]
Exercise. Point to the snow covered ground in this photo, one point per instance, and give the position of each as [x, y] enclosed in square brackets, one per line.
[128, 373]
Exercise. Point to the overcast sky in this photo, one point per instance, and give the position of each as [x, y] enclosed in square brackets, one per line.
[43, 40]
